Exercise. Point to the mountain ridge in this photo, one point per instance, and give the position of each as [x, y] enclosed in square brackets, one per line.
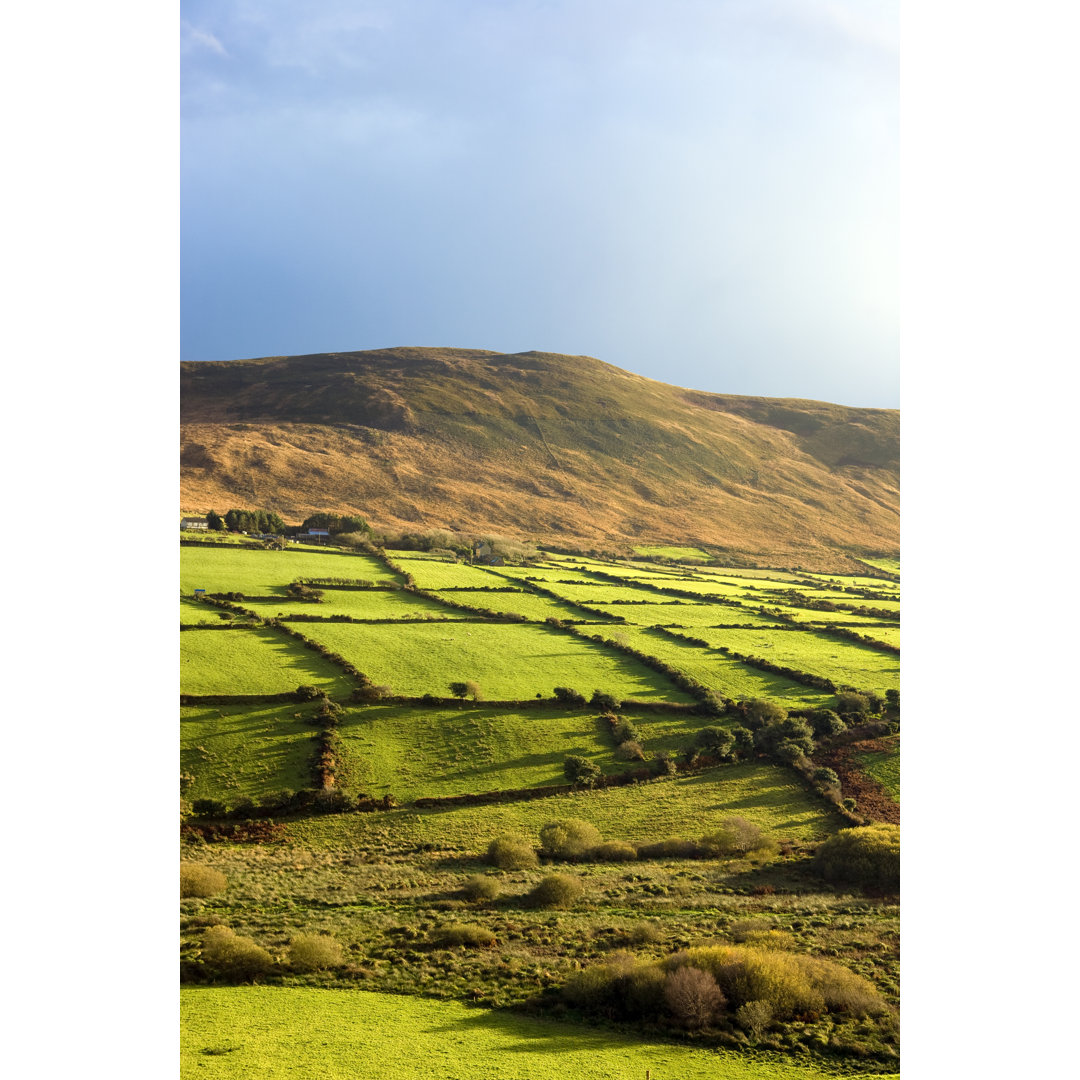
[555, 447]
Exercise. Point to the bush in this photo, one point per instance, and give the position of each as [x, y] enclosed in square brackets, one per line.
[737, 836]
[579, 770]
[759, 712]
[826, 778]
[313, 952]
[463, 934]
[481, 887]
[570, 838]
[826, 722]
[754, 1017]
[309, 693]
[614, 851]
[625, 731]
[369, 693]
[209, 808]
[234, 957]
[567, 696]
[789, 738]
[512, 852]
[630, 751]
[715, 741]
[604, 701]
[853, 703]
[868, 856]
[693, 996]
[664, 765]
[198, 880]
[557, 891]
[674, 847]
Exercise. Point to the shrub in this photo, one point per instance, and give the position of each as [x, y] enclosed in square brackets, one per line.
[664, 765]
[557, 891]
[715, 740]
[674, 847]
[737, 836]
[868, 856]
[754, 1017]
[234, 957]
[848, 702]
[825, 778]
[693, 996]
[625, 731]
[791, 733]
[209, 808]
[463, 934]
[313, 952]
[644, 933]
[459, 689]
[567, 696]
[198, 880]
[826, 722]
[570, 838]
[369, 693]
[481, 887]
[744, 738]
[614, 851]
[579, 770]
[473, 691]
[512, 852]
[759, 712]
[604, 701]
[308, 693]
[630, 751]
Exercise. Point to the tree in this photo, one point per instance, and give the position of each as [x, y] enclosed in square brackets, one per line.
[564, 695]
[215, 522]
[715, 741]
[601, 699]
[459, 689]
[792, 734]
[693, 996]
[473, 691]
[759, 712]
[579, 770]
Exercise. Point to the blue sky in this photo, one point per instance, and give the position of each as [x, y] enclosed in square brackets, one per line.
[701, 191]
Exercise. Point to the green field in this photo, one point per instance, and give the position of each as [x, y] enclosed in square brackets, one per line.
[357, 604]
[684, 612]
[252, 662]
[890, 565]
[452, 750]
[844, 662]
[679, 806]
[194, 613]
[534, 607]
[260, 573]
[252, 1033]
[245, 751]
[720, 673]
[509, 661]
[884, 766]
[438, 574]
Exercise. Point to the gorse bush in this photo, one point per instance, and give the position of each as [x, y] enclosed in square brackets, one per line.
[465, 934]
[512, 852]
[570, 838]
[631, 750]
[736, 836]
[579, 770]
[480, 887]
[614, 851]
[313, 952]
[197, 880]
[230, 956]
[868, 856]
[557, 891]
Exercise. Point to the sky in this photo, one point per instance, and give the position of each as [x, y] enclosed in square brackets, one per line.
[704, 192]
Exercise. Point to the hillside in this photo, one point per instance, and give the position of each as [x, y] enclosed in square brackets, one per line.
[559, 448]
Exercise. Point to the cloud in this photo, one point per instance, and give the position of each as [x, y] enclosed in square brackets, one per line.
[192, 39]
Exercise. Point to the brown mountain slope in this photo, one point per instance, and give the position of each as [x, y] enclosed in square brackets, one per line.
[559, 448]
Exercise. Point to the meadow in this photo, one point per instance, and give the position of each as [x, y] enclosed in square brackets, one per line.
[509, 662]
[473, 982]
[254, 661]
[262, 573]
[257, 1032]
[884, 766]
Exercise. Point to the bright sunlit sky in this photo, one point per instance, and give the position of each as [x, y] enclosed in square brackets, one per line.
[701, 191]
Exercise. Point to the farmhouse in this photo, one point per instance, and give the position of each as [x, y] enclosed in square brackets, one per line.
[193, 523]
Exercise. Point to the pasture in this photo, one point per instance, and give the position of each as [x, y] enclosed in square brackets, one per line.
[245, 751]
[683, 612]
[270, 1032]
[884, 766]
[509, 661]
[844, 662]
[532, 606]
[262, 573]
[357, 604]
[256, 661]
[411, 752]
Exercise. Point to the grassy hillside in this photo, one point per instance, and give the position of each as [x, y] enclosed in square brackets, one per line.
[556, 447]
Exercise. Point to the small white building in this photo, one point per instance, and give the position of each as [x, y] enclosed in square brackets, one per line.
[193, 523]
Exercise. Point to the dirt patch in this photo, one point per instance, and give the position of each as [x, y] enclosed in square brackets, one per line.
[871, 799]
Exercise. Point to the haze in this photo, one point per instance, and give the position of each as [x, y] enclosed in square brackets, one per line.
[701, 192]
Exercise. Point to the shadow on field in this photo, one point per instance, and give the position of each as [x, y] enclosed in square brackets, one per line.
[524, 1034]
